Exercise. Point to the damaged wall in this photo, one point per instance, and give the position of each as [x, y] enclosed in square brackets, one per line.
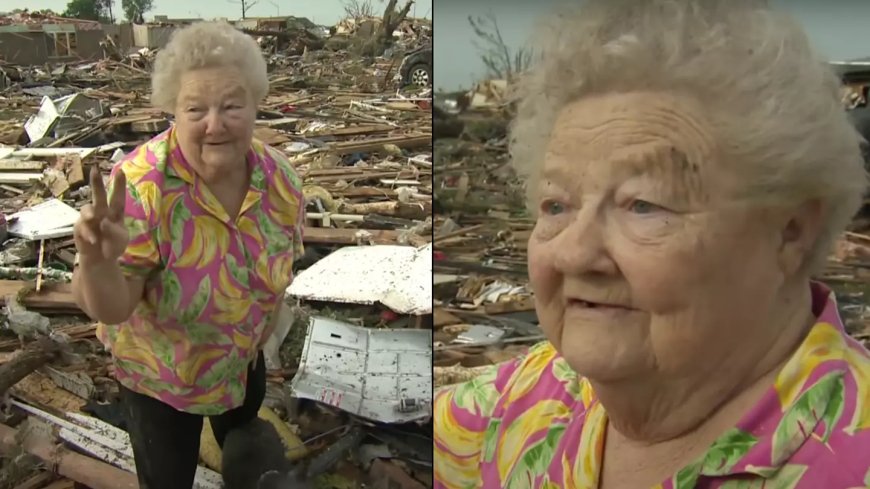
[122, 34]
[24, 48]
[38, 47]
[151, 36]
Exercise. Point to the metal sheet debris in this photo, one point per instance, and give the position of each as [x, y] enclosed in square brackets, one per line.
[399, 277]
[50, 219]
[62, 115]
[480, 334]
[382, 375]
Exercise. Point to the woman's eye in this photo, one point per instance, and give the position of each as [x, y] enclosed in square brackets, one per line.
[552, 207]
[643, 207]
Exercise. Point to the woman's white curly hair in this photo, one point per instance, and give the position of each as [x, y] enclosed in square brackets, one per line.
[206, 45]
[773, 102]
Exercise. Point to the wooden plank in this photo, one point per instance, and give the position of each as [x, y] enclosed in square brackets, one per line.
[38, 481]
[404, 106]
[444, 318]
[524, 304]
[270, 136]
[61, 484]
[13, 164]
[353, 130]
[347, 236]
[377, 144]
[52, 296]
[81, 468]
[150, 126]
[19, 178]
[129, 119]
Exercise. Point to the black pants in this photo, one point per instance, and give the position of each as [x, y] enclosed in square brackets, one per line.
[166, 441]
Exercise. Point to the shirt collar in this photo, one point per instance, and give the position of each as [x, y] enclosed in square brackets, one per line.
[177, 166]
[792, 410]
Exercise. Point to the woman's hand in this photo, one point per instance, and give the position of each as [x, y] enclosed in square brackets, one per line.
[99, 234]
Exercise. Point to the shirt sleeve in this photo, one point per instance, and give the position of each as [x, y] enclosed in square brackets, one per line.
[299, 229]
[462, 414]
[142, 255]
[294, 193]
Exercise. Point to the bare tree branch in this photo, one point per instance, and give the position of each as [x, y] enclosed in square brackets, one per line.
[500, 62]
[358, 9]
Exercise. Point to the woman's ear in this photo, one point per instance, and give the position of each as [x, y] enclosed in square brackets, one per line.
[799, 233]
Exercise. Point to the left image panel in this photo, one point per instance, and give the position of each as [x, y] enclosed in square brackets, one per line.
[216, 254]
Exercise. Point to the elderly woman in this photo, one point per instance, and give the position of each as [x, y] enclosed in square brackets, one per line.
[689, 166]
[186, 259]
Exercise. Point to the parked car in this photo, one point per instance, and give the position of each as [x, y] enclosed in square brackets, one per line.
[416, 67]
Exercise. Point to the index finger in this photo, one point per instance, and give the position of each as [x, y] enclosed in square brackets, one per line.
[119, 195]
[98, 189]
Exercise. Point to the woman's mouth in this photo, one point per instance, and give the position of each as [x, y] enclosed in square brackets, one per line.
[581, 305]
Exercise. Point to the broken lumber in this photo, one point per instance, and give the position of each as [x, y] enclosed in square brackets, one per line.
[53, 297]
[349, 236]
[80, 468]
[397, 209]
[377, 144]
[25, 363]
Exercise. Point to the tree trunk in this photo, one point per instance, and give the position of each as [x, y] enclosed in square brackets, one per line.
[392, 19]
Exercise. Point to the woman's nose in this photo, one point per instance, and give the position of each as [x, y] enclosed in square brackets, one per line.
[214, 122]
[581, 247]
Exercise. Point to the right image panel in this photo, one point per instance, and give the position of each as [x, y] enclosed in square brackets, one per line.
[652, 245]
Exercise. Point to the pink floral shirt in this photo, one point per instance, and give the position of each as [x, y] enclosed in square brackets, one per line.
[212, 281]
[533, 423]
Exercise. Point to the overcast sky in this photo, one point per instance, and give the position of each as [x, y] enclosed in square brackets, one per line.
[840, 29]
[325, 12]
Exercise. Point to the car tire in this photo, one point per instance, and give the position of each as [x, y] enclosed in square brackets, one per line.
[420, 75]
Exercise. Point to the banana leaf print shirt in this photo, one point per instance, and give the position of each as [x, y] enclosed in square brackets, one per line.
[533, 423]
[211, 282]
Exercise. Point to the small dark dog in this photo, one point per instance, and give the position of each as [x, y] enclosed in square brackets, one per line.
[254, 458]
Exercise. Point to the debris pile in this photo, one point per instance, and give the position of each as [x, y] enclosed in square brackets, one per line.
[484, 310]
[26, 17]
[362, 144]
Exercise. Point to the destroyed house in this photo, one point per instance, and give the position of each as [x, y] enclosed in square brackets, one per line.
[56, 41]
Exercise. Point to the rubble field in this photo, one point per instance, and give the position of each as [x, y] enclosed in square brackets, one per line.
[484, 311]
[361, 142]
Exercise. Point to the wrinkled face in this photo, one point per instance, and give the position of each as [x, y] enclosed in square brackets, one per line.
[642, 261]
[215, 117]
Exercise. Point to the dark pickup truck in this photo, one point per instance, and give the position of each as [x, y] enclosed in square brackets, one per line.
[416, 67]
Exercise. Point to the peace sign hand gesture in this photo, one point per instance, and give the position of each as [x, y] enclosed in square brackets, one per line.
[100, 234]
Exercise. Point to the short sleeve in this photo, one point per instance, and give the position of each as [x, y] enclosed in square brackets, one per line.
[462, 414]
[299, 229]
[142, 255]
[291, 192]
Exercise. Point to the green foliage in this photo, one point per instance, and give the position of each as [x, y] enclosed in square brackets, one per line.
[135, 10]
[88, 10]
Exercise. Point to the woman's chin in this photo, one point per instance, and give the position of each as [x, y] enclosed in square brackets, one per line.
[600, 360]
